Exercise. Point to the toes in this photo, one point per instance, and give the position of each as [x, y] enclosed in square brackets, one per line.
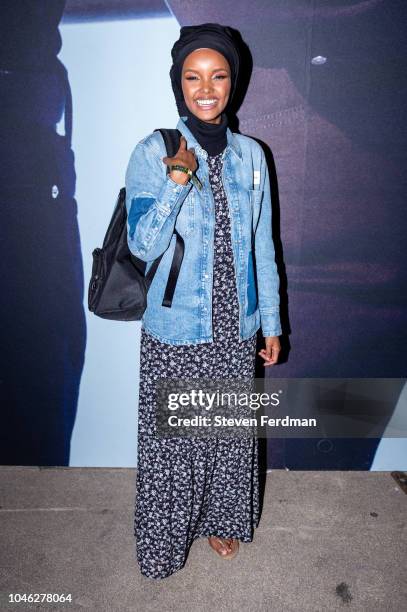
[223, 546]
[227, 545]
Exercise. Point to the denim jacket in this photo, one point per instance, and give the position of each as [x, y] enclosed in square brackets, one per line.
[156, 203]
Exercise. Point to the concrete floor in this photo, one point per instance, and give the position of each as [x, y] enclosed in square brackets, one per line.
[326, 541]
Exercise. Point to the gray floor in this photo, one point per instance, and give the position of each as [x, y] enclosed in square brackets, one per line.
[326, 541]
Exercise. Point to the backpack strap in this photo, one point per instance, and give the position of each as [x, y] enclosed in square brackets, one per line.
[171, 139]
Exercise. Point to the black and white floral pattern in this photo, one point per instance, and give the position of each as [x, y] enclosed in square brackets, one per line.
[196, 487]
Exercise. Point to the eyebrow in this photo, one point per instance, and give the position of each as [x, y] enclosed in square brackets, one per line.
[214, 70]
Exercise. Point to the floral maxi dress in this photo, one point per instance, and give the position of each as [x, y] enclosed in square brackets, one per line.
[196, 487]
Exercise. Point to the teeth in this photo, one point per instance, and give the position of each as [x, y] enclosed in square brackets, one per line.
[205, 102]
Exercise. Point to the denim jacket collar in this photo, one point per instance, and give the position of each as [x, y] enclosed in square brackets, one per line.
[232, 141]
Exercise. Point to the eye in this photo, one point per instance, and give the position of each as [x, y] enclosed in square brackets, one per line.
[218, 76]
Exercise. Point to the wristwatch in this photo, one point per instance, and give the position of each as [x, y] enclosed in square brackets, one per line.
[191, 175]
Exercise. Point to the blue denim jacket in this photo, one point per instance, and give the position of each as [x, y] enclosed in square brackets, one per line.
[156, 203]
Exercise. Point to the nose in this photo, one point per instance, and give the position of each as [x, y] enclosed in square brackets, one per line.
[206, 86]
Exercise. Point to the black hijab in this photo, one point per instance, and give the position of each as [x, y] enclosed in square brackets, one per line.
[211, 137]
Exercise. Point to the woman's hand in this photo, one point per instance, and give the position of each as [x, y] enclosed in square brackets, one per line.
[272, 350]
[183, 157]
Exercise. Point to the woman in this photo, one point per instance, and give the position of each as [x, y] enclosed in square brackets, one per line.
[196, 487]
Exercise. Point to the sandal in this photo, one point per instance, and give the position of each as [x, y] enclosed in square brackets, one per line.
[221, 544]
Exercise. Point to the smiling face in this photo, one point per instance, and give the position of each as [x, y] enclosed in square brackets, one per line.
[206, 77]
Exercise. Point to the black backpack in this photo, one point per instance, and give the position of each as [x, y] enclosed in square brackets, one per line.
[118, 285]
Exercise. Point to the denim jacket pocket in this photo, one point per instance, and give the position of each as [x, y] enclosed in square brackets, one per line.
[255, 197]
[185, 222]
[251, 285]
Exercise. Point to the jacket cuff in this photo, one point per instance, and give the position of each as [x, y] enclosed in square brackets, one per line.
[270, 323]
[171, 194]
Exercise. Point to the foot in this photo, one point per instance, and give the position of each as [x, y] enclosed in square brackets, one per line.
[227, 548]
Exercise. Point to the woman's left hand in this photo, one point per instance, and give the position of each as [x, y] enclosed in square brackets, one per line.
[272, 350]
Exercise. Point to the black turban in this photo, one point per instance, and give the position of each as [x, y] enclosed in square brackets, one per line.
[206, 35]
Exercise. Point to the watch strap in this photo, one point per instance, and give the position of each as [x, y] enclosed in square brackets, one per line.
[188, 171]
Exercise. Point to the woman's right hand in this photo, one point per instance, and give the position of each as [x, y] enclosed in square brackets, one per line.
[183, 157]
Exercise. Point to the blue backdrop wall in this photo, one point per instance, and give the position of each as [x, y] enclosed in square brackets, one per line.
[326, 96]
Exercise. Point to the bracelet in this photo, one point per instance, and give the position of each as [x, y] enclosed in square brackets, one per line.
[182, 169]
[188, 171]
